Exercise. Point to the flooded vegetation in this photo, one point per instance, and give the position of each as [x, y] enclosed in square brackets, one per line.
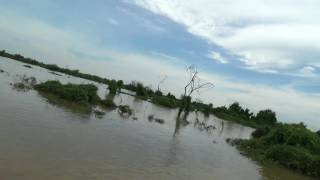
[62, 129]
[291, 145]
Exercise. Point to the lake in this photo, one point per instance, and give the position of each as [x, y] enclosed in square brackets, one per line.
[47, 138]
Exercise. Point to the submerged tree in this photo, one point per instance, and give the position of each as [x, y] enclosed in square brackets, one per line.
[162, 79]
[194, 84]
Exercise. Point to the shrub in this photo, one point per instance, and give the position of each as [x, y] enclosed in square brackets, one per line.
[295, 158]
[124, 110]
[113, 87]
[260, 131]
[84, 93]
[266, 117]
[140, 90]
[291, 145]
[164, 101]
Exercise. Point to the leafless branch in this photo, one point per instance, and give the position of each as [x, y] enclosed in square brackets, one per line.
[195, 83]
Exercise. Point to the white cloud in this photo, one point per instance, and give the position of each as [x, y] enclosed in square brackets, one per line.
[308, 71]
[217, 57]
[274, 35]
[112, 21]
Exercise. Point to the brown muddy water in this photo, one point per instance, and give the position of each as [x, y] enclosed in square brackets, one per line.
[46, 138]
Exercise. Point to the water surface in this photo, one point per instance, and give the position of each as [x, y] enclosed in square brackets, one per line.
[43, 137]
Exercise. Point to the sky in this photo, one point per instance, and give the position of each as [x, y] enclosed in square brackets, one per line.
[262, 54]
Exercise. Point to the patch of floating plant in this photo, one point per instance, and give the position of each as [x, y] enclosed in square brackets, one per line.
[98, 113]
[151, 118]
[23, 83]
[54, 73]
[124, 111]
[27, 66]
[204, 127]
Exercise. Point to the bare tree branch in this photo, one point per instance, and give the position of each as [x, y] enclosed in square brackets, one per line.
[195, 83]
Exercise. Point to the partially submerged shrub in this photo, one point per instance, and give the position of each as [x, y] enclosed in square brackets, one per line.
[150, 117]
[24, 83]
[27, 66]
[141, 90]
[260, 131]
[164, 101]
[98, 113]
[124, 110]
[158, 120]
[295, 158]
[291, 145]
[108, 103]
[113, 87]
[83, 93]
[54, 73]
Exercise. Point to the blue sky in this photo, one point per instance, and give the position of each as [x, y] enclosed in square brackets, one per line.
[262, 54]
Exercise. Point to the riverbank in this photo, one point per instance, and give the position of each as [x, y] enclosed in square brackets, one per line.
[290, 145]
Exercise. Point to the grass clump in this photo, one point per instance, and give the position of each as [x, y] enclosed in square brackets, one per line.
[290, 145]
[83, 93]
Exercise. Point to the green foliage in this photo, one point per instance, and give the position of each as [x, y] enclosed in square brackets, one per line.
[318, 133]
[83, 93]
[243, 116]
[185, 103]
[236, 113]
[266, 117]
[158, 93]
[260, 131]
[165, 101]
[141, 90]
[291, 145]
[120, 84]
[113, 87]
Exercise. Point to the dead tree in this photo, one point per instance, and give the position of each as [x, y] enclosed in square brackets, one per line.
[162, 79]
[194, 84]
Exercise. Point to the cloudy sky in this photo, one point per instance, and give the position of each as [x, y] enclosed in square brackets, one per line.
[261, 53]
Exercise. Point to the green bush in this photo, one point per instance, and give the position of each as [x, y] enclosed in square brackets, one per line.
[84, 93]
[260, 131]
[164, 101]
[295, 158]
[141, 90]
[291, 145]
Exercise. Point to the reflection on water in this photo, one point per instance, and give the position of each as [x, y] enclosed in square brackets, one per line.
[43, 137]
[82, 111]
